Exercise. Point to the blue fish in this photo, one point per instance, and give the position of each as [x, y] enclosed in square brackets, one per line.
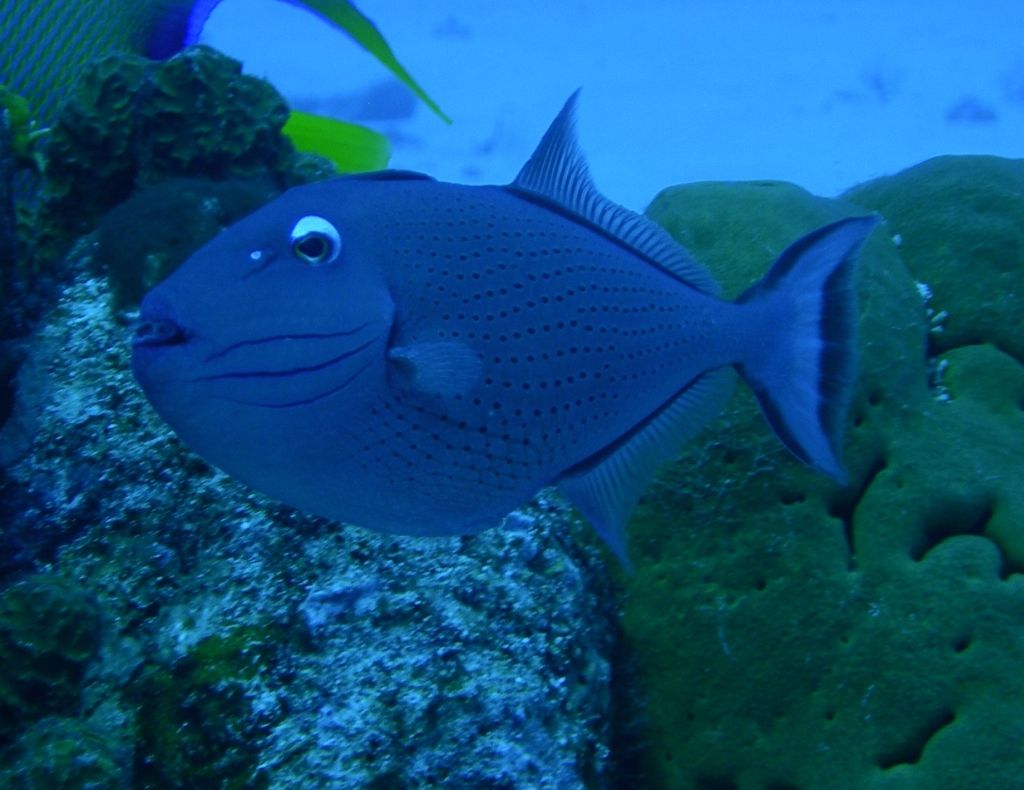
[420, 357]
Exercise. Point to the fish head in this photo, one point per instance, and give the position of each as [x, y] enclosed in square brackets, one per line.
[270, 342]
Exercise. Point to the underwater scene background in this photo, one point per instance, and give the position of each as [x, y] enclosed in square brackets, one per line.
[163, 625]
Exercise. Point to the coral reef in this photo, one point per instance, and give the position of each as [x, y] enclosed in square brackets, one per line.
[160, 625]
[252, 645]
[793, 634]
[158, 157]
[134, 122]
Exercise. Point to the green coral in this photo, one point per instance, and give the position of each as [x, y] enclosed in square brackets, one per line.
[135, 122]
[793, 634]
[974, 273]
[24, 136]
[49, 632]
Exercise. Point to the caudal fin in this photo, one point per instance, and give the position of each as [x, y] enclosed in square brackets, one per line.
[803, 371]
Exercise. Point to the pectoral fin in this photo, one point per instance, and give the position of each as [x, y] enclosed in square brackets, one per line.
[436, 368]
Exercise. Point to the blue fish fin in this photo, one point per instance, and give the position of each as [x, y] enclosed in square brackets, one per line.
[804, 376]
[176, 25]
[557, 176]
[445, 367]
[605, 488]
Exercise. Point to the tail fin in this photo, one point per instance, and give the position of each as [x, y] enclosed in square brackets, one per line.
[804, 373]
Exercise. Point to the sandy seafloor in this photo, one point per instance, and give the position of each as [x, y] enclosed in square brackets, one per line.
[824, 94]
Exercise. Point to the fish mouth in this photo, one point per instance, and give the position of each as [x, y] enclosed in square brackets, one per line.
[158, 332]
[156, 326]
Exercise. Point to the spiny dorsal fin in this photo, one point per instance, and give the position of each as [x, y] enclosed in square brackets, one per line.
[557, 172]
[605, 489]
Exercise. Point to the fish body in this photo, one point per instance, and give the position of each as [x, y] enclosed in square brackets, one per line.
[421, 357]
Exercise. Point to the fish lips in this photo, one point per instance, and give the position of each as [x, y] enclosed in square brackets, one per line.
[158, 334]
[157, 325]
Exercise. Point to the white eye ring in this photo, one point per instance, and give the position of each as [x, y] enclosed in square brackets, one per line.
[315, 241]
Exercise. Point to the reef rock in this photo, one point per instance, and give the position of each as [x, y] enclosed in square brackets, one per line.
[248, 645]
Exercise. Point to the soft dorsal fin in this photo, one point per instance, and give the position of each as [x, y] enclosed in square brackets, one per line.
[605, 489]
[557, 173]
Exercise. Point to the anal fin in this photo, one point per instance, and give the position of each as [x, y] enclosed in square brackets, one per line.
[606, 487]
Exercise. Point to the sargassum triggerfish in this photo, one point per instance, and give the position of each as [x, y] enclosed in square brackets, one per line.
[420, 357]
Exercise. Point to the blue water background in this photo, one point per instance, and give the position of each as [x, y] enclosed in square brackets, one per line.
[825, 94]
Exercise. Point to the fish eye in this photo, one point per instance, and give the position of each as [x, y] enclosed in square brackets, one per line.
[315, 241]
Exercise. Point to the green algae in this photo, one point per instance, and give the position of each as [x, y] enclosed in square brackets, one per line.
[196, 718]
[791, 633]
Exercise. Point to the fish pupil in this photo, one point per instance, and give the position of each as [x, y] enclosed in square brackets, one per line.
[315, 240]
[314, 247]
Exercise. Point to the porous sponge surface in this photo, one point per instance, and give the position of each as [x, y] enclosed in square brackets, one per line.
[793, 634]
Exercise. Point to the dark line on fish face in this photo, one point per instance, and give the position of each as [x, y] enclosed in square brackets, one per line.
[273, 338]
[304, 401]
[265, 374]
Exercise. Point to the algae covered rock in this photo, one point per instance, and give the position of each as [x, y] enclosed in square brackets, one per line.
[145, 238]
[49, 632]
[792, 633]
[65, 753]
[194, 120]
[198, 721]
